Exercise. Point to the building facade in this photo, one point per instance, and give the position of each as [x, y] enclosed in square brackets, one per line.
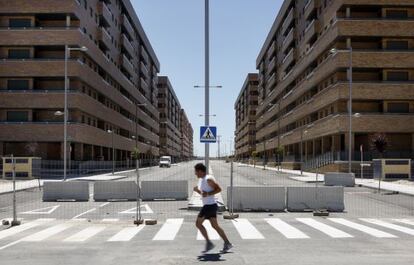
[169, 108]
[304, 78]
[245, 109]
[187, 134]
[112, 85]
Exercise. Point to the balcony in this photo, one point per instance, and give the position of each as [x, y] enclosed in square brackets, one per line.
[271, 50]
[375, 27]
[311, 7]
[144, 55]
[127, 65]
[289, 58]
[311, 30]
[127, 25]
[271, 82]
[127, 45]
[105, 14]
[40, 36]
[272, 65]
[288, 20]
[144, 70]
[104, 38]
[144, 84]
[288, 39]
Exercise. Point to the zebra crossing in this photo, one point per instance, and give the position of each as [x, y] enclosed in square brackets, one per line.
[44, 229]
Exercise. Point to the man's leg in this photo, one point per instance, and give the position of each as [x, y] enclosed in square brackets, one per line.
[219, 230]
[200, 226]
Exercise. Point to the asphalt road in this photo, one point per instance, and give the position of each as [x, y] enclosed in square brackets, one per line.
[374, 229]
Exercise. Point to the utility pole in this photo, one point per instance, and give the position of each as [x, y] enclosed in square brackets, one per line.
[218, 147]
[207, 79]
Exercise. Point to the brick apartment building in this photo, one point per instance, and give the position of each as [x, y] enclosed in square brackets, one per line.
[187, 133]
[171, 140]
[112, 86]
[304, 78]
[245, 108]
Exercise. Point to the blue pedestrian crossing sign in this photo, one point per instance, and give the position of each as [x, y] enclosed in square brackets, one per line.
[208, 134]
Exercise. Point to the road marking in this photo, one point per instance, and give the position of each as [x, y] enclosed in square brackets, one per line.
[286, 229]
[363, 228]
[104, 204]
[21, 228]
[389, 225]
[246, 229]
[169, 230]
[404, 221]
[212, 233]
[146, 207]
[326, 229]
[46, 210]
[126, 234]
[85, 234]
[110, 220]
[44, 234]
[88, 211]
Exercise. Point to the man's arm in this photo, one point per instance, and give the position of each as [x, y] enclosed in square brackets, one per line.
[216, 188]
[196, 189]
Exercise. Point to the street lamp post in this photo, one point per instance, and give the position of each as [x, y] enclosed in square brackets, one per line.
[301, 150]
[65, 112]
[113, 152]
[350, 146]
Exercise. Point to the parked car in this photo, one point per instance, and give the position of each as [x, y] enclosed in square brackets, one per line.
[165, 161]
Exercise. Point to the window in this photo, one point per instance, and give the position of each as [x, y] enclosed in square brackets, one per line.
[397, 76]
[19, 54]
[18, 84]
[20, 23]
[397, 14]
[397, 45]
[17, 116]
[398, 107]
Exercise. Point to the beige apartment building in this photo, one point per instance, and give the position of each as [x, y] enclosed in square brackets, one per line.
[112, 85]
[304, 78]
[169, 108]
[245, 109]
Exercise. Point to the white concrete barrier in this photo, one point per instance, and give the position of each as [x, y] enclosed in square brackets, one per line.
[257, 198]
[164, 190]
[115, 190]
[340, 179]
[313, 198]
[68, 190]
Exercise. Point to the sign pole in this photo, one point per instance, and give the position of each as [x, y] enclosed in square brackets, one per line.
[207, 79]
[15, 222]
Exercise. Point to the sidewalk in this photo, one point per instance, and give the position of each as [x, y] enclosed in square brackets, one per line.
[308, 177]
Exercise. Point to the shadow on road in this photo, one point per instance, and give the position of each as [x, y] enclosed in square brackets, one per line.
[210, 257]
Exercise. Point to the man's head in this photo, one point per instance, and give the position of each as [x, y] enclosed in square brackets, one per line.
[200, 170]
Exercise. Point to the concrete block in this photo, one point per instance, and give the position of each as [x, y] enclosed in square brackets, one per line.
[313, 198]
[340, 179]
[257, 198]
[115, 190]
[164, 190]
[68, 190]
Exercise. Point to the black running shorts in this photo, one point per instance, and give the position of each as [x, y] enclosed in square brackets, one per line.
[208, 211]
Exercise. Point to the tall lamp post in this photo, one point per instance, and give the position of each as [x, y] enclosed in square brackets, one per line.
[65, 112]
[113, 151]
[350, 146]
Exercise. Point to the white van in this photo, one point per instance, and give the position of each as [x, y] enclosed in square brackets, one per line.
[165, 161]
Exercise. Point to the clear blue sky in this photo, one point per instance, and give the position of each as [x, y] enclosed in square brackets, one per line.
[238, 30]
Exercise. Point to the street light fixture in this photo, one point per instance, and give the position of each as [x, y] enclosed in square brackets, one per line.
[113, 151]
[65, 112]
[333, 51]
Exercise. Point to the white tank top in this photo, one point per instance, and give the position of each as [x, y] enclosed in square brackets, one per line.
[204, 187]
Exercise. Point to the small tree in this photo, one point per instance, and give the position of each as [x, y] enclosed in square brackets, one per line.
[279, 153]
[254, 156]
[379, 144]
[135, 155]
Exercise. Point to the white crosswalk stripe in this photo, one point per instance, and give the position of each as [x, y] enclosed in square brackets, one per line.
[326, 229]
[42, 235]
[405, 221]
[363, 228]
[18, 229]
[246, 229]
[169, 230]
[85, 234]
[212, 234]
[391, 226]
[126, 234]
[286, 229]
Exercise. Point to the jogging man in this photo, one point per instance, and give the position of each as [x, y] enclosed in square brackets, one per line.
[208, 188]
